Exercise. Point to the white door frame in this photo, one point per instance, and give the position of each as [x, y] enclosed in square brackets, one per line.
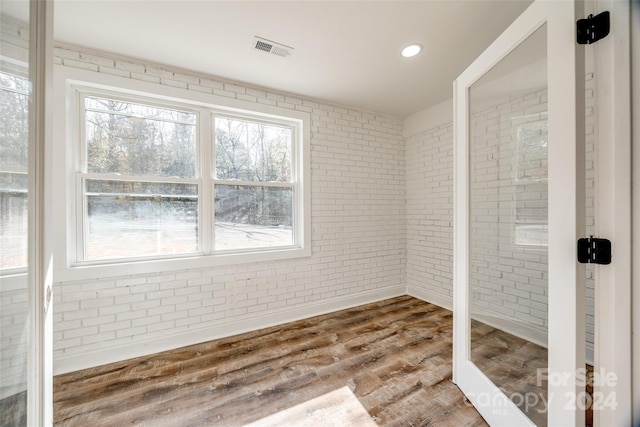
[40, 280]
[612, 356]
[635, 272]
[566, 215]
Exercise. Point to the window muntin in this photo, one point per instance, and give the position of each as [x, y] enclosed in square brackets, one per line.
[139, 206]
[14, 122]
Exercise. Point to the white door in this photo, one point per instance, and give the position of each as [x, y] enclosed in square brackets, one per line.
[519, 203]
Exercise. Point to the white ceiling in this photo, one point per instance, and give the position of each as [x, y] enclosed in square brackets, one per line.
[345, 52]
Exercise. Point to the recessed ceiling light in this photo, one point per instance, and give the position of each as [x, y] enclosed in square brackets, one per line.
[412, 50]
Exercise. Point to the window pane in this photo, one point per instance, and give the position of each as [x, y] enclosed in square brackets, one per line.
[531, 225]
[14, 146]
[14, 120]
[252, 151]
[132, 139]
[133, 219]
[253, 217]
[13, 220]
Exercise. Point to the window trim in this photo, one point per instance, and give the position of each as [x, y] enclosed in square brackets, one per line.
[67, 163]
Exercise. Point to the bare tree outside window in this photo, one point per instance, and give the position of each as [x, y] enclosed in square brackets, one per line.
[141, 198]
[253, 187]
[14, 122]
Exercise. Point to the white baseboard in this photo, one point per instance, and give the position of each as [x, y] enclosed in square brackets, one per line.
[531, 333]
[440, 300]
[65, 364]
[519, 329]
[12, 390]
[589, 354]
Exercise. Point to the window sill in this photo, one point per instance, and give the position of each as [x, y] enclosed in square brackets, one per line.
[16, 281]
[168, 265]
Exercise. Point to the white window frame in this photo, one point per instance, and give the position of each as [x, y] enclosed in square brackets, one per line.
[82, 92]
[294, 184]
[70, 87]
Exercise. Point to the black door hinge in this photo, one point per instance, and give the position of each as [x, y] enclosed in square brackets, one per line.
[593, 28]
[594, 251]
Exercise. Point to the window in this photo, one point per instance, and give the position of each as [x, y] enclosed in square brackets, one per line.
[531, 210]
[139, 187]
[14, 122]
[254, 188]
[158, 178]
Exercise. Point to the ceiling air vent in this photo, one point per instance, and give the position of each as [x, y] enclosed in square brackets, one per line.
[274, 48]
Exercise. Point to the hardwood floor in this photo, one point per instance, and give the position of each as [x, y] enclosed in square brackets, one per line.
[513, 365]
[13, 410]
[387, 363]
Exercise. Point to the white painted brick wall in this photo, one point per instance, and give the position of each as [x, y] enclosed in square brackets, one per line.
[430, 211]
[13, 335]
[358, 232]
